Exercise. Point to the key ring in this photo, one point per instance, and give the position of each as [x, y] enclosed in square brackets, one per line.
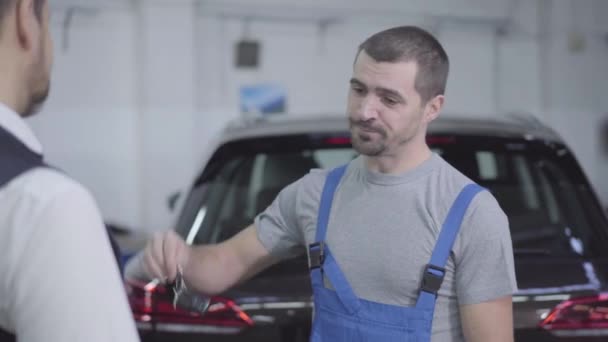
[186, 299]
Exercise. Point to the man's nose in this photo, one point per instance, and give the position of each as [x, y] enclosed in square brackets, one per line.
[368, 109]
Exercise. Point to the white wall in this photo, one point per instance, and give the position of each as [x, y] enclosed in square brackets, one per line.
[120, 118]
[89, 126]
[165, 62]
[505, 56]
[577, 81]
[144, 86]
[314, 63]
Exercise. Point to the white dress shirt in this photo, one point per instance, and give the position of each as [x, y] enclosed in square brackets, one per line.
[58, 277]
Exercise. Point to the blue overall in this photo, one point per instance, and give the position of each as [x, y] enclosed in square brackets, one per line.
[341, 316]
[16, 159]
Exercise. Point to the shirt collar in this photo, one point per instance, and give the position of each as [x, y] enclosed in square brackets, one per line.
[14, 124]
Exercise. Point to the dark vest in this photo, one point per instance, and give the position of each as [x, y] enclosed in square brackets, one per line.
[16, 159]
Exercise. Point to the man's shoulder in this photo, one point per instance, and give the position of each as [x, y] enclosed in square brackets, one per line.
[308, 189]
[311, 184]
[450, 181]
[315, 179]
[451, 174]
[483, 206]
[42, 185]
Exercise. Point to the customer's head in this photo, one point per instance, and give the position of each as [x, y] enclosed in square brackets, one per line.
[26, 54]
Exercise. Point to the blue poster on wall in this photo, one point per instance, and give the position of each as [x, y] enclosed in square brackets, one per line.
[263, 99]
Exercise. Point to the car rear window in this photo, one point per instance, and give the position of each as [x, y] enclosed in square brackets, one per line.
[540, 186]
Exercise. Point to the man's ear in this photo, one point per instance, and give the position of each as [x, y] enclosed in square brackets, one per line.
[27, 23]
[433, 108]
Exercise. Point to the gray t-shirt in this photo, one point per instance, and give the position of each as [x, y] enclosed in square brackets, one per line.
[383, 229]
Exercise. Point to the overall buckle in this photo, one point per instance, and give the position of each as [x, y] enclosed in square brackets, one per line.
[431, 282]
[316, 255]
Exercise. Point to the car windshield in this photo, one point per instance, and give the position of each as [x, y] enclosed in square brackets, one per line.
[540, 186]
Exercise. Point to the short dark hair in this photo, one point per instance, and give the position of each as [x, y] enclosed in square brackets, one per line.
[411, 43]
[5, 5]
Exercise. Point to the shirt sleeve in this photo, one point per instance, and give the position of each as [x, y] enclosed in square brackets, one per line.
[484, 264]
[66, 281]
[278, 227]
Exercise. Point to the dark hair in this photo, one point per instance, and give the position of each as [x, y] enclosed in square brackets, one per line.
[410, 43]
[5, 5]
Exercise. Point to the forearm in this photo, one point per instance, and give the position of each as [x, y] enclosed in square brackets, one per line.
[503, 333]
[488, 322]
[212, 270]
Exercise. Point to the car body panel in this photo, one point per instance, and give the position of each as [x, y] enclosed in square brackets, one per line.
[279, 299]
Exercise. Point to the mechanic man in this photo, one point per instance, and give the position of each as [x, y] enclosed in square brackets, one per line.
[401, 246]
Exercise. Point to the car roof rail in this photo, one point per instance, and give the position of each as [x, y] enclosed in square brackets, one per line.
[526, 118]
[244, 121]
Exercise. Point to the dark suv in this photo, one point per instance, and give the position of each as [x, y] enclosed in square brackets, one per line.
[559, 230]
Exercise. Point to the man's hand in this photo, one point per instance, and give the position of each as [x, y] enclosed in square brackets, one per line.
[209, 269]
[164, 254]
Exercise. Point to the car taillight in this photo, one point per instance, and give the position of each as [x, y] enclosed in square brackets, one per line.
[337, 141]
[588, 314]
[439, 140]
[152, 307]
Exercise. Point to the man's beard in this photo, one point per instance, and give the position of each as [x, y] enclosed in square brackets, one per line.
[362, 141]
[40, 86]
[36, 101]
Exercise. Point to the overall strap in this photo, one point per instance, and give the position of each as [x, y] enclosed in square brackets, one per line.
[327, 197]
[435, 270]
[321, 260]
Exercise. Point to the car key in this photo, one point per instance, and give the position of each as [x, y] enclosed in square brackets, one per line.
[186, 299]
